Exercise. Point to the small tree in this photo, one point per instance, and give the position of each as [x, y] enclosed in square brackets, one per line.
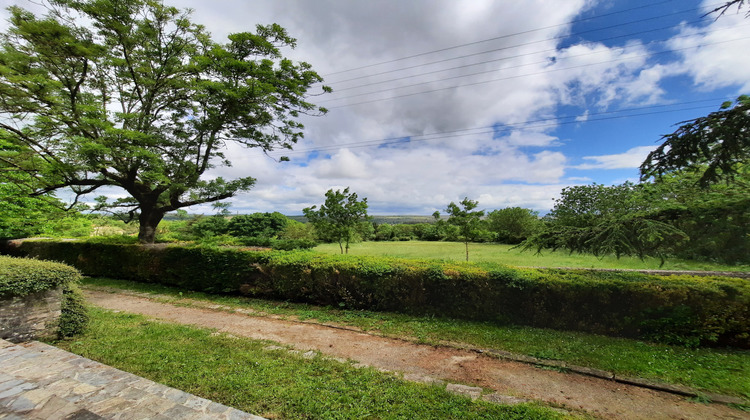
[337, 219]
[468, 221]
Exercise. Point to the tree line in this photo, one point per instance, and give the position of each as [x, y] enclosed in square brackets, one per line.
[140, 97]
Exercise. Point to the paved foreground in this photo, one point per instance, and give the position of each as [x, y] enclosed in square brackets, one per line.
[38, 381]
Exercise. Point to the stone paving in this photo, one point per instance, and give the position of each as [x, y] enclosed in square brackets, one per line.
[38, 381]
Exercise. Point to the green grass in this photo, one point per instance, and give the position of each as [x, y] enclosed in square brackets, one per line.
[503, 254]
[272, 383]
[708, 369]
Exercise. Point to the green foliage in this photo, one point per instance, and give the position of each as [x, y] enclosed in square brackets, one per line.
[21, 277]
[628, 235]
[338, 218]
[132, 94]
[468, 221]
[625, 304]
[719, 141]
[279, 244]
[23, 216]
[585, 205]
[206, 227]
[668, 217]
[261, 225]
[513, 225]
[298, 230]
[74, 315]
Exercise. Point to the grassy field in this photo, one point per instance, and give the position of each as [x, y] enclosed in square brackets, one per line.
[275, 384]
[710, 369]
[503, 254]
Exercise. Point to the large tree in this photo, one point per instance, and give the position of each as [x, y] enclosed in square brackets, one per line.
[337, 219]
[132, 94]
[717, 143]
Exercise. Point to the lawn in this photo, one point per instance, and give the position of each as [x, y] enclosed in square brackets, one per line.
[709, 369]
[504, 254]
[273, 383]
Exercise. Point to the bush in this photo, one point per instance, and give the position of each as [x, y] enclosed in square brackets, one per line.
[203, 227]
[266, 225]
[22, 277]
[74, 317]
[279, 244]
[675, 309]
[298, 230]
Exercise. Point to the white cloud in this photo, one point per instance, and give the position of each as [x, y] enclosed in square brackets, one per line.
[525, 166]
[715, 56]
[630, 159]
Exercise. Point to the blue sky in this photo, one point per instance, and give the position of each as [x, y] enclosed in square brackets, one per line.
[504, 102]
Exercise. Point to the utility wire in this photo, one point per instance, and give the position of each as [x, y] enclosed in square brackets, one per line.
[338, 90]
[554, 121]
[502, 37]
[518, 45]
[526, 75]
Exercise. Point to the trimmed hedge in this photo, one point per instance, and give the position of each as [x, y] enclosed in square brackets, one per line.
[21, 277]
[675, 309]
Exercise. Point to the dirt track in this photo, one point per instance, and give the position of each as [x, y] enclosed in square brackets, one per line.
[599, 397]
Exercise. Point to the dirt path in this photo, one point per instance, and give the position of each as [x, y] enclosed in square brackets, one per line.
[599, 397]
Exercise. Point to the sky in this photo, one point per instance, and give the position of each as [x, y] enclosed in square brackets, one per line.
[503, 102]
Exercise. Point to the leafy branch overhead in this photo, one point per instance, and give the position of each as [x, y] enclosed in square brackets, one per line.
[143, 99]
[720, 141]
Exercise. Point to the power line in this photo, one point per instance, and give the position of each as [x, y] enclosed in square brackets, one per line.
[640, 20]
[522, 75]
[338, 90]
[550, 122]
[503, 37]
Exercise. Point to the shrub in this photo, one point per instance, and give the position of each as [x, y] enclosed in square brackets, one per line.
[298, 230]
[675, 309]
[266, 225]
[74, 316]
[203, 227]
[279, 244]
[22, 277]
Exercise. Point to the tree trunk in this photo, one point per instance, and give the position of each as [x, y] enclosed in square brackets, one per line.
[149, 220]
[467, 250]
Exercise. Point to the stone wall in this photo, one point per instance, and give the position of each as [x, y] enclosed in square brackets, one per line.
[25, 318]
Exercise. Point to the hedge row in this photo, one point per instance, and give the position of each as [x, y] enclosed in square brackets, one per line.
[21, 277]
[677, 309]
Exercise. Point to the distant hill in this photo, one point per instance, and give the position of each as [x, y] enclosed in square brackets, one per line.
[391, 220]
